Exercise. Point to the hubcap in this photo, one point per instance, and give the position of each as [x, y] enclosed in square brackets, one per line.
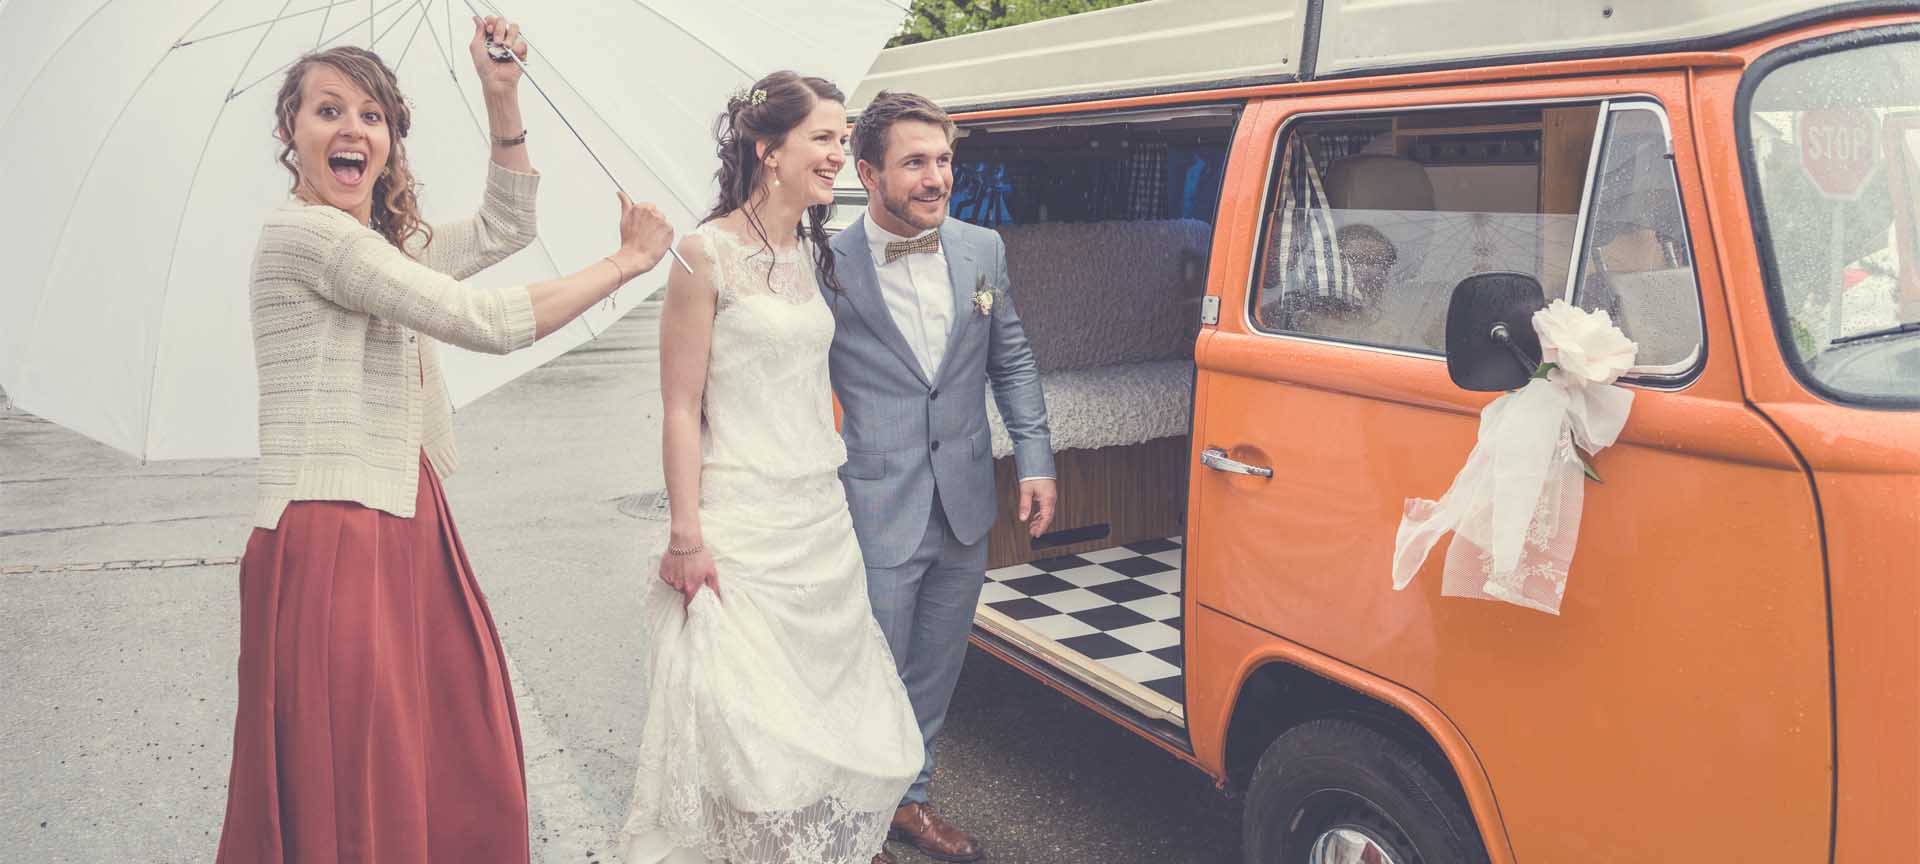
[1347, 845]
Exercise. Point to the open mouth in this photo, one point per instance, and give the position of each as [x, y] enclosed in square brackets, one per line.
[348, 166]
[827, 175]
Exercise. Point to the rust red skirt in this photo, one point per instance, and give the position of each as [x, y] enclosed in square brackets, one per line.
[376, 721]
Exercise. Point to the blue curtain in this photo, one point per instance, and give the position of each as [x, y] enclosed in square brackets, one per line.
[1152, 182]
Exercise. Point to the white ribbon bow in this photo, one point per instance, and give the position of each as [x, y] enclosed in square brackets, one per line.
[1514, 508]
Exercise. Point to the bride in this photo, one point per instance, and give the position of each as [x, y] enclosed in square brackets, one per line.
[777, 729]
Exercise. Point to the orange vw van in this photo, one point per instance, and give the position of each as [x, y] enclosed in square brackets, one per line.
[1235, 229]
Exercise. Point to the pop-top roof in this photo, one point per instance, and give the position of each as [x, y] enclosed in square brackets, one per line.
[1365, 35]
[1190, 44]
[1158, 44]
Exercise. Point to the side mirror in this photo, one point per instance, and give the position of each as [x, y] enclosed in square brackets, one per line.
[1491, 343]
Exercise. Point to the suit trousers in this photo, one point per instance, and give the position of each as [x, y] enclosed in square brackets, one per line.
[925, 606]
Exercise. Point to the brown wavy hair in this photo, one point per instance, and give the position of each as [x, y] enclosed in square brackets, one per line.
[396, 204]
[788, 98]
[880, 115]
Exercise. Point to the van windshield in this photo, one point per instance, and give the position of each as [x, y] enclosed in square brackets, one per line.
[1834, 151]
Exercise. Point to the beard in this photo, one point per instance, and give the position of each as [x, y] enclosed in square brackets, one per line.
[901, 207]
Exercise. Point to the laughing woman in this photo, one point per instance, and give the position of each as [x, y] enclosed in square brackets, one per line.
[375, 719]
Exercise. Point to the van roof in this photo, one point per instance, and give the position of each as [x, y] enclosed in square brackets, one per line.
[1178, 45]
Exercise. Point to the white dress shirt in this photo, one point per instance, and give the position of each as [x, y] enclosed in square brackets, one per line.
[919, 295]
[918, 291]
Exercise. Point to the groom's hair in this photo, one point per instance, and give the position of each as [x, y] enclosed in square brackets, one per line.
[890, 107]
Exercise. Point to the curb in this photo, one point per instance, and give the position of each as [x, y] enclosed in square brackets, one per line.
[93, 566]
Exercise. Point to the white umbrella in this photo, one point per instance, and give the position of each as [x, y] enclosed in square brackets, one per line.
[137, 159]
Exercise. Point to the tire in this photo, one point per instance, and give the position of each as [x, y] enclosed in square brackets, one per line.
[1332, 775]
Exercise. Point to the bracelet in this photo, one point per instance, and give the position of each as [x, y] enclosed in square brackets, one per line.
[515, 141]
[682, 553]
[617, 268]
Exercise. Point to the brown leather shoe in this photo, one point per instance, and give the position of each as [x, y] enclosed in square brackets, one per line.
[935, 837]
[884, 857]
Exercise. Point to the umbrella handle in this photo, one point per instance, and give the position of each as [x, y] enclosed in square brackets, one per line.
[502, 54]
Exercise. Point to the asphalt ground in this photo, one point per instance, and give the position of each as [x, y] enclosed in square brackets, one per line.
[118, 635]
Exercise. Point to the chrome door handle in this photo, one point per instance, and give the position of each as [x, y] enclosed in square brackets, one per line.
[1216, 458]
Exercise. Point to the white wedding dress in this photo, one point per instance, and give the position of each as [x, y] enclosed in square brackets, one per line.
[777, 729]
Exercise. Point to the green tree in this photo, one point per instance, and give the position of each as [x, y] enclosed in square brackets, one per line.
[938, 19]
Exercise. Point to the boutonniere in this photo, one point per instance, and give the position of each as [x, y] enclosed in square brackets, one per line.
[983, 297]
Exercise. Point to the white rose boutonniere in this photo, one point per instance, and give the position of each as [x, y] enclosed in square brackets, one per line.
[984, 297]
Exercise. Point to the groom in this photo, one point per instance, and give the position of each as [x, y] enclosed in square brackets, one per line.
[923, 327]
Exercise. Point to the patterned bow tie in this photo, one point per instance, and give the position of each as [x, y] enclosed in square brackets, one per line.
[898, 249]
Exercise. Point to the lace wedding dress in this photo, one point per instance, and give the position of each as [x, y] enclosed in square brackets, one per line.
[777, 730]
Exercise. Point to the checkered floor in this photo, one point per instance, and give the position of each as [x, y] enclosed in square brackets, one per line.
[1118, 606]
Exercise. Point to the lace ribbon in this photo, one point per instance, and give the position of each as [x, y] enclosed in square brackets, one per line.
[1514, 508]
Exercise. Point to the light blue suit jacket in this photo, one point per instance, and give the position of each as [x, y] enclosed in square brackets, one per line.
[909, 437]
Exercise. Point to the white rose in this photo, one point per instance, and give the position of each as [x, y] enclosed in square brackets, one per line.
[1584, 345]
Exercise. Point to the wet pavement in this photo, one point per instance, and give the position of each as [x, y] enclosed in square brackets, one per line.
[118, 636]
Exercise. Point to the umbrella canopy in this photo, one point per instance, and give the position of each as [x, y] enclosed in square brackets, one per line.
[140, 160]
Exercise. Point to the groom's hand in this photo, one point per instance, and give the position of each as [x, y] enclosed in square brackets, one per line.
[1037, 498]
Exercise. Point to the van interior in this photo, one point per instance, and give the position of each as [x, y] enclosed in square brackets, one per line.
[1108, 223]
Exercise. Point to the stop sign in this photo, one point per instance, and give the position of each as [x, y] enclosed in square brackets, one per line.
[1839, 149]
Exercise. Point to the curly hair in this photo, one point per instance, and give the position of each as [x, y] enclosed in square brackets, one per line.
[396, 204]
[767, 112]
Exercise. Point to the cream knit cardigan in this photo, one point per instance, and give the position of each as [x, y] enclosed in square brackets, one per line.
[349, 398]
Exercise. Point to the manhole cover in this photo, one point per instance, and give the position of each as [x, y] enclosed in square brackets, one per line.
[651, 506]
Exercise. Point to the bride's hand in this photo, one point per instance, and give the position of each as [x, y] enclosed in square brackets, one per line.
[687, 574]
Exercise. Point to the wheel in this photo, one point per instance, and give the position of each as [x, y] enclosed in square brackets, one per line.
[1335, 792]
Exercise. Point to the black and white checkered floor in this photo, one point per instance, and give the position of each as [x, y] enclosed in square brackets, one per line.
[1119, 607]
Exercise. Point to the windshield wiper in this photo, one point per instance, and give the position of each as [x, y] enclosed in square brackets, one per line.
[1895, 330]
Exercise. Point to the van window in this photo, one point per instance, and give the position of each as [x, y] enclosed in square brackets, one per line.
[1833, 151]
[1371, 222]
[1637, 265]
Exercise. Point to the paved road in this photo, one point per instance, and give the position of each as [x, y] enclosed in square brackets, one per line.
[117, 646]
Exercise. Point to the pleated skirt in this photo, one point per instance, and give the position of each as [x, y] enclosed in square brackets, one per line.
[376, 722]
